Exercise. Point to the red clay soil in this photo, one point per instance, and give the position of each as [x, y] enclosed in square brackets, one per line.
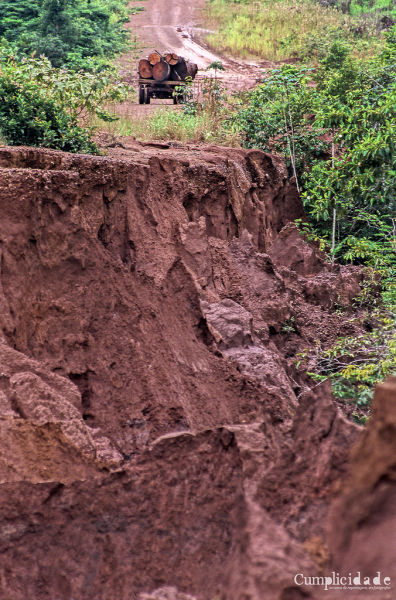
[157, 440]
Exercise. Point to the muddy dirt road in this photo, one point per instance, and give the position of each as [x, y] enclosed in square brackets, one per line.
[175, 25]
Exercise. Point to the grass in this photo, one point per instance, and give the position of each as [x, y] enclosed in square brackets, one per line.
[266, 29]
[169, 123]
[278, 30]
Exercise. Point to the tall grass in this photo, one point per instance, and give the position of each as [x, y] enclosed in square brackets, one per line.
[167, 123]
[268, 29]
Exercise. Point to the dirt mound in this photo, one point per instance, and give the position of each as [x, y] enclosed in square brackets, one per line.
[157, 441]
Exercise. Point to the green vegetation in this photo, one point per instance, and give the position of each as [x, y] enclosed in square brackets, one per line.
[356, 364]
[26, 118]
[195, 121]
[44, 106]
[272, 30]
[168, 123]
[162, 124]
[335, 126]
[68, 32]
[338, 138]
[55, 71]
[364, 7]
[282, 29]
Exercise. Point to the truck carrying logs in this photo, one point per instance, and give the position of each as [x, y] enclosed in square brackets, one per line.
[160, 74]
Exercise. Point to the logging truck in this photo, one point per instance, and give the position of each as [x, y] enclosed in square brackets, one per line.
[160, 76]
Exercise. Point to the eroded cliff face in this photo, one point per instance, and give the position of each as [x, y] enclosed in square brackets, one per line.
[362, 524]
[156, 439]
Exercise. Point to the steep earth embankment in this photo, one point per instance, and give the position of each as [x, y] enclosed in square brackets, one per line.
[155, 434]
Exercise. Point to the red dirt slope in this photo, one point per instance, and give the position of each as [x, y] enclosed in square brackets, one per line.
[155, 434]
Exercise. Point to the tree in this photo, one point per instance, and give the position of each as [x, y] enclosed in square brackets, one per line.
[68, 32]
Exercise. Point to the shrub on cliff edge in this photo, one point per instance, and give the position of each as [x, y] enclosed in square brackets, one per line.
[44, 106]
[26, 118]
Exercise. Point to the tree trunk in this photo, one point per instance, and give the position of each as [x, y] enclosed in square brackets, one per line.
[145, 69]
[192, 69]
[185, 68]
[161, 71]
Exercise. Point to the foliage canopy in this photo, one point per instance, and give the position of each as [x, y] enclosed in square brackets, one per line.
[68, 32]
[44, 106]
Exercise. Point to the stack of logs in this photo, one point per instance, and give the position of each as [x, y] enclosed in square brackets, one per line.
[169, 66]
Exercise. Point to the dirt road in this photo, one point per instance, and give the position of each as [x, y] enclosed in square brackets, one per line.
[174, 25]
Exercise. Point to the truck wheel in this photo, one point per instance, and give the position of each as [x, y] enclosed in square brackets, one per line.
[141, 94]
[146, 96]
[179, 99]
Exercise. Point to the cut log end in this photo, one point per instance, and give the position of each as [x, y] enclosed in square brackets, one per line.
[145, 69]
[161, 71]
[154, 58]
[171, 58]
[171, 66]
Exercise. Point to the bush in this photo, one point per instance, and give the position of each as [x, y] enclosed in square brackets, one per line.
[276, 119]
[339, 140]
[79, 93]
[44, 106]
[355, 365]
[26, 118]
[355, 102]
